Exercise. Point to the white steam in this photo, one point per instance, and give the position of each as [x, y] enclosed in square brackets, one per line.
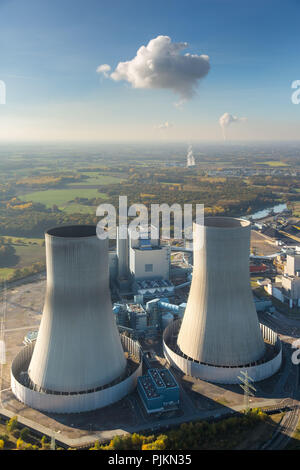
[226, 119]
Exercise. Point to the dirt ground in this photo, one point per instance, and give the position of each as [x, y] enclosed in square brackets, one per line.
[261, 246]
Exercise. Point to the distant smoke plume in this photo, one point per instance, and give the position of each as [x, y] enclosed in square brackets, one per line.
[190, 159]
[228, 119]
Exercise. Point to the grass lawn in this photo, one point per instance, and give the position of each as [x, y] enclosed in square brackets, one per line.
[60, 197]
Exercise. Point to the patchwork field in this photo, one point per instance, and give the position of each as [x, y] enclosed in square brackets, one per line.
[94, 179]
[59, 197]
[273, 163]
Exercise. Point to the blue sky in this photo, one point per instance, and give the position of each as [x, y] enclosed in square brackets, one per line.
[50, 51]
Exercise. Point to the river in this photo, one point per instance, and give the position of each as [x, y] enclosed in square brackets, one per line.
[265, 212]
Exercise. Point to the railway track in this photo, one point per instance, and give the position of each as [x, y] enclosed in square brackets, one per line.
[286, 429]
[289, 422]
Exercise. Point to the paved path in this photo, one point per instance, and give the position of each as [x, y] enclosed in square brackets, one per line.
[107, 435]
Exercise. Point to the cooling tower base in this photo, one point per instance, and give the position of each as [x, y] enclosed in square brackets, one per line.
[75, 402]
[261, 370]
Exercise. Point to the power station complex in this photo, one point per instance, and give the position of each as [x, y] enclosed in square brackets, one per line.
[80, 362]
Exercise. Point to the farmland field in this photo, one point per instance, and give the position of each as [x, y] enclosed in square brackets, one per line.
[94, 179]
[273, 163]
[60, 197]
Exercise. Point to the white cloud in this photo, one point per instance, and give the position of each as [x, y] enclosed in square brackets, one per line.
[160, 65]
[104, 69]
[226, 119]
[165, 125]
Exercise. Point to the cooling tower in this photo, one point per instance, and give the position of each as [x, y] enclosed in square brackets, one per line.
[78, 346]
[78, 349]
[220, 324]
[220, 327]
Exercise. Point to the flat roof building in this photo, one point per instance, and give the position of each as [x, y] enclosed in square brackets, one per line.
[158, 390]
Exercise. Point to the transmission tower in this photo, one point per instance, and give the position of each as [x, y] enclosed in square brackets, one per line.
[249, 389]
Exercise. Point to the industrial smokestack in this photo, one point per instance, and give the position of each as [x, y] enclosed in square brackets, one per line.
[78, 347]
[220, 325]
[122, 252]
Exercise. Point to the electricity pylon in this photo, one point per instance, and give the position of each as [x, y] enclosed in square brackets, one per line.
[249, 389]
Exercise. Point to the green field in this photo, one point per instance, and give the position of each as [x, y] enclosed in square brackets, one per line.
[273, 163]
[73, 208]
[94, 179]
[295, 206]
[60, 197]
[5, 273]
[29, 254]
[22, 240]
[28, 251]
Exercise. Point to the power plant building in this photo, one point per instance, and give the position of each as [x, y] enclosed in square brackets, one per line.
[141, 259]
[158, 391]
[148, 259]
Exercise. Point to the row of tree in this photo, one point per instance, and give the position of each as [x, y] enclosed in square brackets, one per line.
[224, 434]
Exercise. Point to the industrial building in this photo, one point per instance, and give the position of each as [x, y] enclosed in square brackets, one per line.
[78, 362]
[149, 319]
[154, 288]
[286, 287]
[141, 265]
[137, 317]
[158, 391]
[148, 259]
[220, 333]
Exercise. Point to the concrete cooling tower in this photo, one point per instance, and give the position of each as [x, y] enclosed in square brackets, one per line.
[220, 333]
[78, 361]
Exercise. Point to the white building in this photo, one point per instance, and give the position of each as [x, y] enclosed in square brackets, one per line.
[286, 288]
[147, 258]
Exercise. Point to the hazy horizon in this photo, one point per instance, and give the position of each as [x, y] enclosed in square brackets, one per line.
[117, 71]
